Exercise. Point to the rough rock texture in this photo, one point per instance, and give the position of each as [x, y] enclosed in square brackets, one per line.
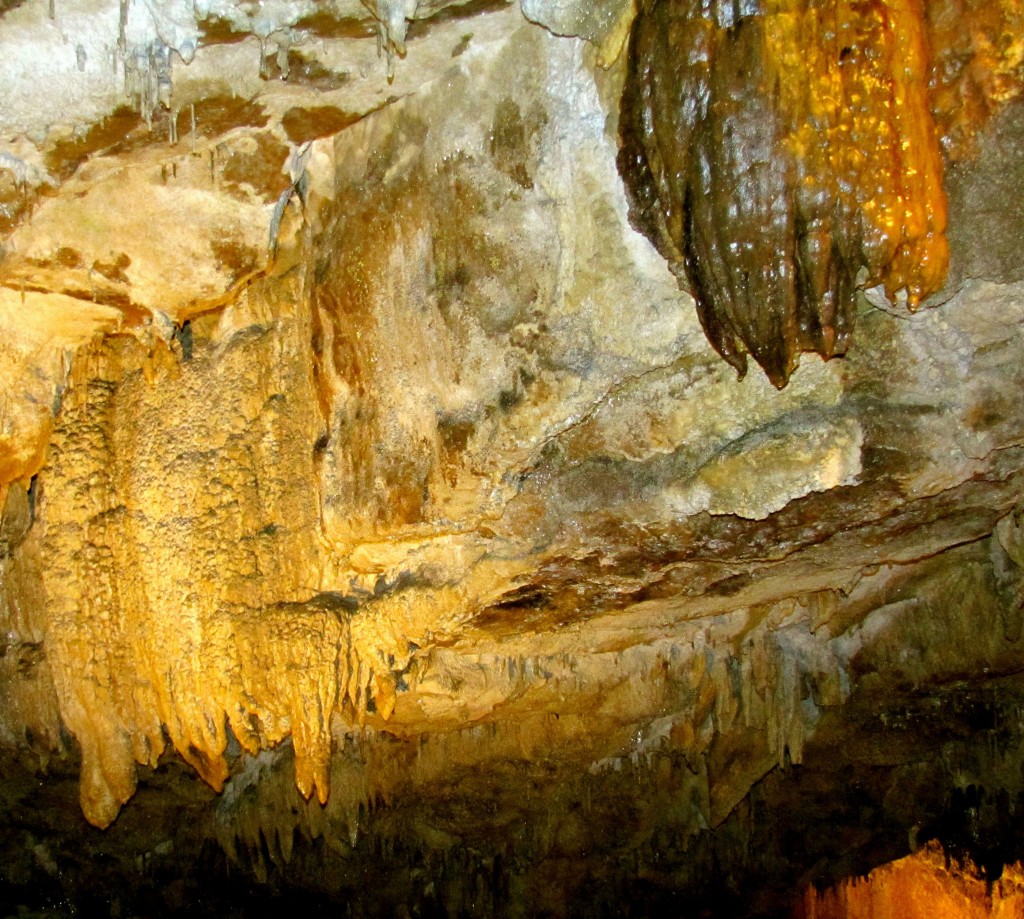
[920, 885]
[357, 452]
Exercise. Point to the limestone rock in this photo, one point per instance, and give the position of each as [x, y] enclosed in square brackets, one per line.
[358, 453]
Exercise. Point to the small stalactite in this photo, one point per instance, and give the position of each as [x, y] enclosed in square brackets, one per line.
[392, 23]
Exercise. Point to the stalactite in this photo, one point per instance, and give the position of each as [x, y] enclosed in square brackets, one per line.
[392, 22]
[281, 669]
[208, 648]
[773, 153]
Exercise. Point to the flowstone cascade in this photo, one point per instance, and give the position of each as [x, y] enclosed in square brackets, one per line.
[775, 153]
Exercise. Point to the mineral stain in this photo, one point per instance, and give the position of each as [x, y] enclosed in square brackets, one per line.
[305, 124]
[779, 155]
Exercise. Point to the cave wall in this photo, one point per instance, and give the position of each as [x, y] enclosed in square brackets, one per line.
[364, 456]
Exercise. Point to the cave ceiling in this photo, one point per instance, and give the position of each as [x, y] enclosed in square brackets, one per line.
[377, 444]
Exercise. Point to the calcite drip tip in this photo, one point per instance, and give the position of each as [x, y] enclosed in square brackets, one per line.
[779, 153]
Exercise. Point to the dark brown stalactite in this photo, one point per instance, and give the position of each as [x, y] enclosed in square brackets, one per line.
[773, 151]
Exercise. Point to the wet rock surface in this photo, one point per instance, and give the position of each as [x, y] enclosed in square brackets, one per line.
[781, 156]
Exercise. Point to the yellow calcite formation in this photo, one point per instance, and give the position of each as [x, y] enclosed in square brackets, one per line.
[920, 886]
[180, 559]
[292, 663]
[775, 152]
[852, 94]
[978, 64]
[37, 333]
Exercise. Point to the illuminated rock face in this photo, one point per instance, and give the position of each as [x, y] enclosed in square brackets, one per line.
[919, 886]
[378, 470]
[166, 536]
